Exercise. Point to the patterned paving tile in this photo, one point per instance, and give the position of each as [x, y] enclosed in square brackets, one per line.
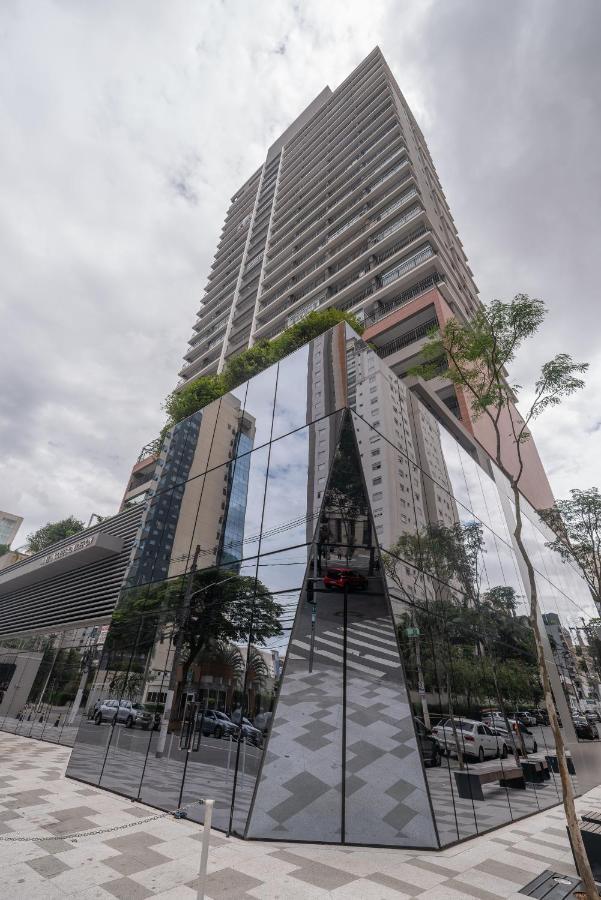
[160, 859]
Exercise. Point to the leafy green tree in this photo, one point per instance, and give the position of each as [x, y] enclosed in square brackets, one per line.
[4, 548]
[224, 608]
[577, 526]
[53, 532]
[479, 353]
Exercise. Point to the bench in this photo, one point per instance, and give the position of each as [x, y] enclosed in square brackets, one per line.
[469, 781]
[535, 769]
[591, 838]
[591, 815]
[551, 757]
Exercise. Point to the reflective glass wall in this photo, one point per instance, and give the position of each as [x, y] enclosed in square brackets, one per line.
[324, 626]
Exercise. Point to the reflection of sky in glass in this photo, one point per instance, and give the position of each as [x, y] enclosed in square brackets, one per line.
[291, 398]
[254, 502]
[285, 516]
[260, 396]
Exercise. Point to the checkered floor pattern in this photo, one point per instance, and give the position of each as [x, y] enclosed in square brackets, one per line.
[160, 858]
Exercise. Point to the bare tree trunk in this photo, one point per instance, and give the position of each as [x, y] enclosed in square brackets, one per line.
[567, 790]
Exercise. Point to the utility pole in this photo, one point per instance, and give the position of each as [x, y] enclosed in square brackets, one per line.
[176, 655]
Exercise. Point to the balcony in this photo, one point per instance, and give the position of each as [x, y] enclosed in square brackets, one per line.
[358, 251]
[398, 271]
[284, 222]
[408, 338]
[304, 168]
[334, 178]
[384, 309]
[361, 211]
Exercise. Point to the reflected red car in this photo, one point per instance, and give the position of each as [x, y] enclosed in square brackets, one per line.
[339, 578]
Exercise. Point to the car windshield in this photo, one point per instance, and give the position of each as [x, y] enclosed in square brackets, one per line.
[221, 715]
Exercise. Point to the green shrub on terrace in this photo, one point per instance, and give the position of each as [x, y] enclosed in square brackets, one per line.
[181, 404]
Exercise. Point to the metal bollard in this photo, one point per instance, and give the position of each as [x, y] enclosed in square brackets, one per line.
[204, 853]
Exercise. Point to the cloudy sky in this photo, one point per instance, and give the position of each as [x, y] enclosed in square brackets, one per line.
[125, 129]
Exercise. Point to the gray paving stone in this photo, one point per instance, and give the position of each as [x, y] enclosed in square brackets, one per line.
[229, 884]
[48, 865]
[316, 873]
[126, 889]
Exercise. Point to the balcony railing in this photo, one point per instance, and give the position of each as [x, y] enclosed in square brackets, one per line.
[394, 274]
[426, 284]
[398, 223]
[405, 340]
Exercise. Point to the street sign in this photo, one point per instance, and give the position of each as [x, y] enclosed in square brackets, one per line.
[412, 632]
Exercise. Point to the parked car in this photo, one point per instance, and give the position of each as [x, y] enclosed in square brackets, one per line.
[216, 723]
[125, 711]
[541, 716]
[340, 578]
[428, 745]
[92, 710]
[585, 730]
[477, 740]
[518, 733]
[251, 734]
[525, 717]
[495, 720]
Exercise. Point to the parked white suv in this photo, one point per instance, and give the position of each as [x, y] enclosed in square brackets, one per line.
[477, 740]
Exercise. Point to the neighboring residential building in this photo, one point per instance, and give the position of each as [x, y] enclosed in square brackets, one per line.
[9, 525]
[142, 475]
[346, 211]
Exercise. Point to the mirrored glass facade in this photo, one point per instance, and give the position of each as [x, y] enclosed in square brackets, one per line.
[324, 626]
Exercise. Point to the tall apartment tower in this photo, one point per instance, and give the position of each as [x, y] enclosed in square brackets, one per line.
[346, 211]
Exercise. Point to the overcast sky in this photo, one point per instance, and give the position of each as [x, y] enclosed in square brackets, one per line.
[125, 129]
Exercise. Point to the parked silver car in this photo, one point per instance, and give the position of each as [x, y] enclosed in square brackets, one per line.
[124, 711]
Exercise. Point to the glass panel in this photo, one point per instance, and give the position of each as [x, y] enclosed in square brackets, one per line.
[299, 795]
[258, 407]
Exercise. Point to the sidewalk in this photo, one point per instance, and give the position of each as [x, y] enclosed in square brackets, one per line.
[160, 859]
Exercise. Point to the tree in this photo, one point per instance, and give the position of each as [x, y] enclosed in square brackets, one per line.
[52, 532]
[127, 685]
[478, 354]
[4, 548]
[224, 608]
[468, 629]
[577, 526]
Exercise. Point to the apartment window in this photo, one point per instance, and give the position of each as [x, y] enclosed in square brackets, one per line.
[375, 452]
[377, 480]
[376, 466]
[377, 496]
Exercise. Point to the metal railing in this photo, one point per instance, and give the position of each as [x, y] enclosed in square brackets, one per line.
[401, 299]
[405, 340]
